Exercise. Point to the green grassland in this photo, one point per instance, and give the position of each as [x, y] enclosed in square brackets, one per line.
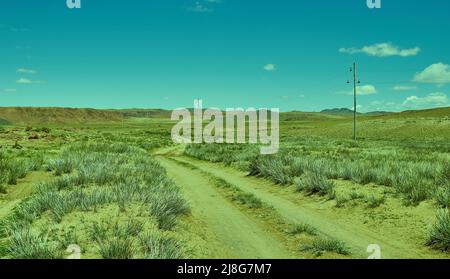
[112, 183]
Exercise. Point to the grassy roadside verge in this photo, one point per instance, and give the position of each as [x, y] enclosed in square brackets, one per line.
[111, 200]
[376, 174]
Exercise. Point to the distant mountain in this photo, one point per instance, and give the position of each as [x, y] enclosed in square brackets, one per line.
[377, 113]
[339, 111]
[348, 112]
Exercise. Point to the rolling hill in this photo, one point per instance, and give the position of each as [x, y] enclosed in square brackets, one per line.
[428, 113]
[349, 112]
[144, 113]
[37, 115]
[43, 115]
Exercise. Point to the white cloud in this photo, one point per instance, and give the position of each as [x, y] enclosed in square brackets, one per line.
[19, 29]
[366, 90]
[382, 50]
[26, 71]
[361, 90]
[14, 28]
[270, 67]
[381, 105]
[433, 100]
[438, 73]
[9, 90]
[29, 81]
[404, 88]
[203, 6]
[358, 108]
[24, 81]
[437, 99]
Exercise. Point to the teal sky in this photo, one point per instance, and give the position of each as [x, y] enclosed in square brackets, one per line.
[292, 55]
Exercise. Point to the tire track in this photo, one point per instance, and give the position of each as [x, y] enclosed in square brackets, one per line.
[234, 234]
[357, 237]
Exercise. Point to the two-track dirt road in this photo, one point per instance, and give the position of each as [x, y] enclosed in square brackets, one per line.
[238, 235]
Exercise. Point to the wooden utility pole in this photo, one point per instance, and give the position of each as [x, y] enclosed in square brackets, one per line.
[355, 93]
[354, 101]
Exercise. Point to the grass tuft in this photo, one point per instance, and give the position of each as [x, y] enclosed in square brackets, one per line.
[439, 234]
[26, 245]
[374, 201]
[315, 183]
[323, 245]
[248, 199]
[302, 229]
[442, 196]
[156, 246]
[116, 248]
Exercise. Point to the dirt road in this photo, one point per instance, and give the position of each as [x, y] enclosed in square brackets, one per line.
[246, 238]
[236, 235]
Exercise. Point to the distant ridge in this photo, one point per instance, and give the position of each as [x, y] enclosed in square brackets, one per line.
[443, 112]
[144, 113]
[346, 112]
[340, 111]
[48, 115]
[376, 113]
[39, 115]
